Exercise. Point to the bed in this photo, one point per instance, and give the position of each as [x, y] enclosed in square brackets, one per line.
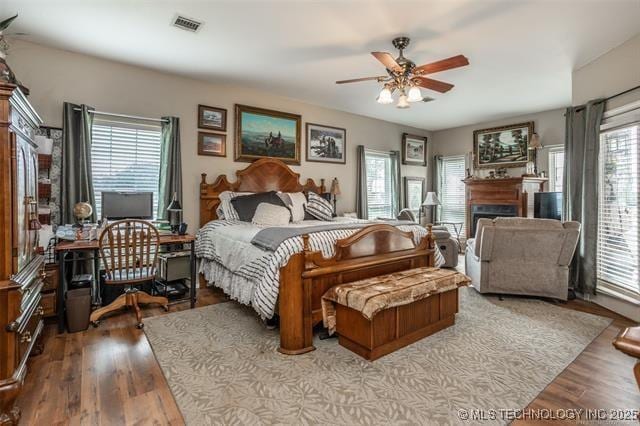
[290, 277]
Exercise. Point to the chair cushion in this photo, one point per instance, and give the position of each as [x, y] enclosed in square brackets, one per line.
[130, 274]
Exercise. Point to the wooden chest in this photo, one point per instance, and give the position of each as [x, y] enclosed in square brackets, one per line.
[394, 328]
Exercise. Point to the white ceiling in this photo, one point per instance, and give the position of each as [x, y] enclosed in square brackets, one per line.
[521, 52]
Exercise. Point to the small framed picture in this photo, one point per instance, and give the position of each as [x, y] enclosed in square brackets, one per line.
[414, 150]
[326, 144]
[212, 118]
[212, 144]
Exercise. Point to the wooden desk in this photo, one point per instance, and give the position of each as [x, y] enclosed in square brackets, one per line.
[65, 247]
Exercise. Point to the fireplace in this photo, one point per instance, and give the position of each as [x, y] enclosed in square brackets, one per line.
[491, 211]
[491, 198]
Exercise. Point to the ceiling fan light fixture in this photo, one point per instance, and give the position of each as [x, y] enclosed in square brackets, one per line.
[385, 96]
[415, 95]
[403, 102]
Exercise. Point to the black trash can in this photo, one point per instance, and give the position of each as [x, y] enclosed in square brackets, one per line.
[78, 309]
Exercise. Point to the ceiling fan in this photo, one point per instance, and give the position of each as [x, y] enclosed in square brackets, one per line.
[407, 78]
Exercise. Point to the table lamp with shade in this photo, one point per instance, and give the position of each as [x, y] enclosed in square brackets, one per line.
[429, 201]
[335, 191]
[175, 214]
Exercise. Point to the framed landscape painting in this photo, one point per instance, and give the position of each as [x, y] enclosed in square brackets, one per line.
[212, 144]
[326, 144]
[505, 146]
[212, 118]
[414, 150]
[266, 133]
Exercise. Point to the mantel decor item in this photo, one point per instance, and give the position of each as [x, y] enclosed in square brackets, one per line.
[532, 165]
[326, 144]
[6, 74]
[506, 146]
[267, 133]
[414, 150]
[212, 118]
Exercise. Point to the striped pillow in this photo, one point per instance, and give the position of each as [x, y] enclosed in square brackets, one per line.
[318, 207]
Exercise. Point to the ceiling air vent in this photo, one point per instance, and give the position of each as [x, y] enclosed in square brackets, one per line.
[186, 24]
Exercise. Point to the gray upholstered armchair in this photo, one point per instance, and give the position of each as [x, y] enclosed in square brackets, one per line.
[522, 256]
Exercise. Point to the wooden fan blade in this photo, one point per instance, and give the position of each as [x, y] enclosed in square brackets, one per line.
[429, 83]
[443, 65]
[387, 60]
[355, 80]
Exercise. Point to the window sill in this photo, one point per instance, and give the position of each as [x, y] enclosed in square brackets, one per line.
[618, 293]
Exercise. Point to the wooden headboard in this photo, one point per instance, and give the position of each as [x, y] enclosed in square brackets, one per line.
[266, 174]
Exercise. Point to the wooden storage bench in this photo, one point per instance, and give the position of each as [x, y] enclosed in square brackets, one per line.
[433, 308]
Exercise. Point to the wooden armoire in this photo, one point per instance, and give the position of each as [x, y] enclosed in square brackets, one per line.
[21, 267]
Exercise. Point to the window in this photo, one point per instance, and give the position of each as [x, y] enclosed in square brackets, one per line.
[556, 169]
[381, 185]
[125, 156]
[451, 191]
[618, 213]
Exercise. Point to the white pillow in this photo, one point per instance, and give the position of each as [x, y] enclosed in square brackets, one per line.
[296, 202]
[228, 212]
[270, 215]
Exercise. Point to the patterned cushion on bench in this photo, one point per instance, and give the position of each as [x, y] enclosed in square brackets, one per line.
[372, 295]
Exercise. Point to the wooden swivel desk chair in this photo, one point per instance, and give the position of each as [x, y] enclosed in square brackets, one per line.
[129, 250]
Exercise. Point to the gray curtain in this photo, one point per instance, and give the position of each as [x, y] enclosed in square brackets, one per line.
[361, 181]
[76, 182]
[396, 179]
[170, 181]
[580, 188]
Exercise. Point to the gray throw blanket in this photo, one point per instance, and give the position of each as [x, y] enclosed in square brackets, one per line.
[271, 238]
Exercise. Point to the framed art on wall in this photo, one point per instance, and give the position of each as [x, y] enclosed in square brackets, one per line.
[212, 118]
[267, 133]
[505, 146]
[326, 144]
[213, 144]
[414, 150]
[414, 192]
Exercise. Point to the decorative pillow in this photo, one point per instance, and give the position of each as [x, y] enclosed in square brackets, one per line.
[319, 208]
[228, 212]
[246, 205]
[270, 215]
[296, 202]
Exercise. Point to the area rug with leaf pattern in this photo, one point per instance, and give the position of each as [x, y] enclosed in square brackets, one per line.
[222, 366]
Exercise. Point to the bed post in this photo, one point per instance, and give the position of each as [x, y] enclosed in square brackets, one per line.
[296, 327]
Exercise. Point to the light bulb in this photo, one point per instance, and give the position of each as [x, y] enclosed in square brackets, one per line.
[414, 94]
[402, 102]
[385, 96]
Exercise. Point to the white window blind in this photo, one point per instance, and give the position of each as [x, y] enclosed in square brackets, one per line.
[556, 169]
[618, 213]
[451, 191]
[380, 187]
[125, 156]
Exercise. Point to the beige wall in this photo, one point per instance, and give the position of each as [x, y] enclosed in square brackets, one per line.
[614, 72]
[548, 124]
[54, 76]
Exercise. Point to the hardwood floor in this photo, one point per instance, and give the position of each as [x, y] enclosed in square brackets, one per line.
[109, 375]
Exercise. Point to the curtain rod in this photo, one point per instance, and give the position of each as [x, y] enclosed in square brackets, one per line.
[135, 117]
[622, 93]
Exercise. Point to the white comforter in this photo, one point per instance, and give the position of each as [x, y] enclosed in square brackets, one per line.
[249, 274]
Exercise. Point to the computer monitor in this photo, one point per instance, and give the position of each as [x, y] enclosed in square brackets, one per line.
[127, 205]
[548, 205]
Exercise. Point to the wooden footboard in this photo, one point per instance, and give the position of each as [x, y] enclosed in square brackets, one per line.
[372, 251]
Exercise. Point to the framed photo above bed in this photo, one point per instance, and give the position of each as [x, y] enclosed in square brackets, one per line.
[212, 118]
[414, 150]
[212, 144]
[505, 146]
[264, 133]
[414, 192]
[326, 144]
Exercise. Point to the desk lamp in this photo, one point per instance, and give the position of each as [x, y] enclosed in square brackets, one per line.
[430, 200]
[175, 214]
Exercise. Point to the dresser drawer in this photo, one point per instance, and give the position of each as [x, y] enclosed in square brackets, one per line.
[27, 337]
[48, 304]
[51, 277]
